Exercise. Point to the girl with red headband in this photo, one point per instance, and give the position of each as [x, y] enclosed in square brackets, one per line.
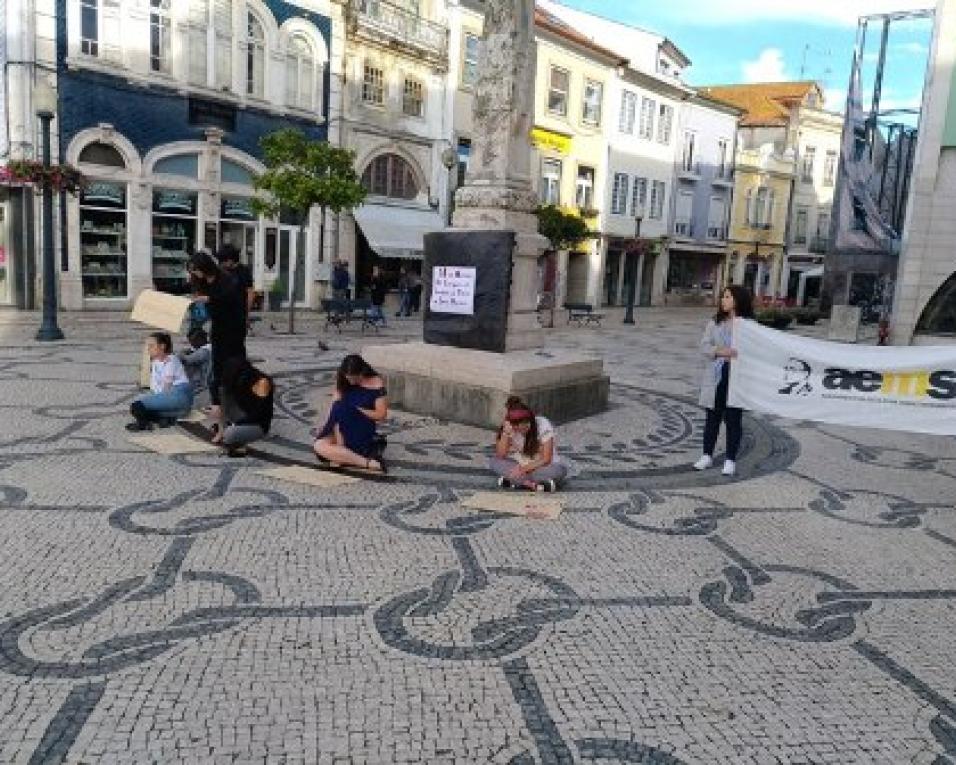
[525, 451]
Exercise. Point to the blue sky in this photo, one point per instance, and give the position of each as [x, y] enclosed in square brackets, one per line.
[768, 40]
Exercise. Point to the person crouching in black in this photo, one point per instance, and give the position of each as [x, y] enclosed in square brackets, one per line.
[247, 403]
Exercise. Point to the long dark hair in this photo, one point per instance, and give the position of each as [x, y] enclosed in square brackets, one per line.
[353, 364]
[518, 413]
[205, 264]
[743, 303]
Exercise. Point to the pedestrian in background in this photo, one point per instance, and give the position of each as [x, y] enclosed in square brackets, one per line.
[415, 287]
[341, 281]
[377, 288]
[405, 294]
[717, 345]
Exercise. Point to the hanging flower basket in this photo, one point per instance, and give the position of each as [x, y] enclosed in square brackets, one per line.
[57, 177]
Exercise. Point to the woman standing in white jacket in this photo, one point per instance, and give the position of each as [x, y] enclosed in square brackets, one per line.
[717, 345]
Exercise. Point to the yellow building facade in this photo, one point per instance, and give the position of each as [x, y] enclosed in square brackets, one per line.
[758, 220]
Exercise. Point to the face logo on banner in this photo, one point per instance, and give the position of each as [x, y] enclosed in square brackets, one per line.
[796, 378]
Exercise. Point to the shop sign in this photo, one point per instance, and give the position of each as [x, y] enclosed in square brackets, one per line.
[175, 202]
[548, 139]
[104, 193]
[237, 207]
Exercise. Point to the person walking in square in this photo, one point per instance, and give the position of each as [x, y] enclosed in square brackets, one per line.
[717, 346]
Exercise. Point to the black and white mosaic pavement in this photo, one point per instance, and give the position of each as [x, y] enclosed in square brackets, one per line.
[187, 609]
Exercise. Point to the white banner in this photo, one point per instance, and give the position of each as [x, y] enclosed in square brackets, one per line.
[909, 388]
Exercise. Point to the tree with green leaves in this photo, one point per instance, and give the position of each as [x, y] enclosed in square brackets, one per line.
[300, 174]
[563, 230]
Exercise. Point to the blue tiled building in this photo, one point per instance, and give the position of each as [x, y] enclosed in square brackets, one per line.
[163, 106]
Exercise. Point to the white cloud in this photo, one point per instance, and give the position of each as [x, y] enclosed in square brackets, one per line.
[834, 99]
[767, 67]
[842, 12]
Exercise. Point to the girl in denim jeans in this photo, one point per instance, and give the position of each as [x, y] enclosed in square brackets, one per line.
[171, 393]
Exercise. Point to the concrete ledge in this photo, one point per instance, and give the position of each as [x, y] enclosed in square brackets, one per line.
[471, 386]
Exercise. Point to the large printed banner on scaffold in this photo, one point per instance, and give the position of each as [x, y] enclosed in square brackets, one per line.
[896, 388]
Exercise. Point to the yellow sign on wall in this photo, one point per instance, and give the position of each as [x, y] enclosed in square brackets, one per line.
[548, 139]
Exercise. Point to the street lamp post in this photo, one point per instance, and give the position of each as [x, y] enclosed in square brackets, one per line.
[45, 102]
[632, 285]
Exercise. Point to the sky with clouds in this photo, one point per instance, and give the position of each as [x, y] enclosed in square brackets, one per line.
[772, 40]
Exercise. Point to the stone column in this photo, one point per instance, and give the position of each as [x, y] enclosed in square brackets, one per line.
[497, 194]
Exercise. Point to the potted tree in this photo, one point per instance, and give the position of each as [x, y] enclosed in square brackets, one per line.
[277, 292]
[301, 174]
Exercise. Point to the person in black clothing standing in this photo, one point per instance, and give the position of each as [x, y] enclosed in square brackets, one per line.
[228, 256]
[226, 302]
[378, 289]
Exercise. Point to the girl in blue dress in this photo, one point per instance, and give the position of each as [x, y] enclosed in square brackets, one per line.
[359, 401]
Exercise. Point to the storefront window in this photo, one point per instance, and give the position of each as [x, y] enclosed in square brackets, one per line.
[238, 227]
[174, 238]
[103, 249]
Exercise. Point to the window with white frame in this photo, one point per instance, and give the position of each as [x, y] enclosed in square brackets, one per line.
[90, 27]
[469, 64]
[658, 192]
[584, 189]
[550, 190]
[723, 157]
[373, 85]
[389, 175]
[639, 197]
[646, 128]
[222, 43]
[683, 214]
[829, 168]
[413, 98]
[759, 207]
[665, 124]
[716, 218]
[160, 31]
[255, 56]
[619, 194]
[558, 86]
[806, 171]
[300, 74]
[688, 155]
[209, 23]
[628, 112]
[593, 100]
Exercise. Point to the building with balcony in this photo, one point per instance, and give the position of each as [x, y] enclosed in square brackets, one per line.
[394, 102]
[789, 118]
[701, 208]
[162, 106]
[641, 133]
[569, 152]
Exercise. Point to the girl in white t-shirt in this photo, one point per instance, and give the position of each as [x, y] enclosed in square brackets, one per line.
[526, 454]
[171, 393]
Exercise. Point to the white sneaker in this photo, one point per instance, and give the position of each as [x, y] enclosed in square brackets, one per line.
[730, 468]
[706, 461]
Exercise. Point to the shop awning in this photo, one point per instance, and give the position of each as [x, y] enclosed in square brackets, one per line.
[397, 232]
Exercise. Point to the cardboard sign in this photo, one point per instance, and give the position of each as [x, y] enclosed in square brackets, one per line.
[525, 505]
[159, 310]
[321, 479]
[453, 290]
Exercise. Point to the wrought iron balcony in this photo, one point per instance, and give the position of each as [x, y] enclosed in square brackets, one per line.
[392, 26]
[684, 228]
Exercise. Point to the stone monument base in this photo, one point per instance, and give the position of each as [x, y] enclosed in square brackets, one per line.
[471, 386]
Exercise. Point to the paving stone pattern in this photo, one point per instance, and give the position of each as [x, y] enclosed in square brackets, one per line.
[187, 609]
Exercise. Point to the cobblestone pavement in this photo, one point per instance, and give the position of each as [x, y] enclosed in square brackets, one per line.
[188, 609]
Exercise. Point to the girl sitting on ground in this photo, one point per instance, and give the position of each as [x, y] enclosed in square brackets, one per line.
[247, 403]
[359, 401]
[525, 451]
[171, 393]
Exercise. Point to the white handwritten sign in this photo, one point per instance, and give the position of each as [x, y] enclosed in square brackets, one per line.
[453, 290]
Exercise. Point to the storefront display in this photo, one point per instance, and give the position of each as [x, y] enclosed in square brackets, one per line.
[238, 225]
[103, 240]
[174, 238]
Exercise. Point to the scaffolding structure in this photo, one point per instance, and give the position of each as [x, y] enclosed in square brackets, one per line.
[876, 164]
